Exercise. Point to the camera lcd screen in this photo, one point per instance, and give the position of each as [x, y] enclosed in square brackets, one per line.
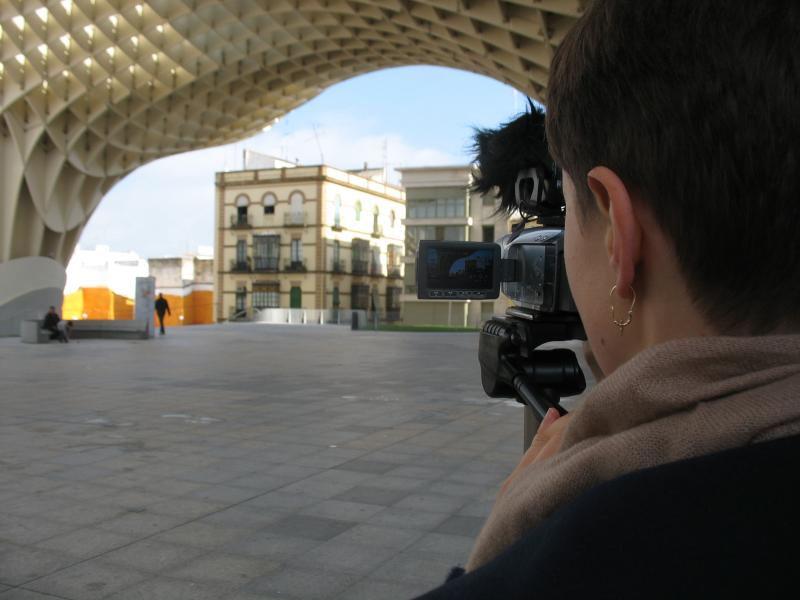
[462, 268]
[458, 270]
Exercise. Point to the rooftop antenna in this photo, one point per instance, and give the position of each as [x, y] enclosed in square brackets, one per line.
[316, 137]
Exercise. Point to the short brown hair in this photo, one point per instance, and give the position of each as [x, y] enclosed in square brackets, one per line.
[695, 104]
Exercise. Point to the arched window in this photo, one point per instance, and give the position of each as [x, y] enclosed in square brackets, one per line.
[240, 219]
[392, 218]
[375, 217]
[358, 210]
[269, 200]
[337, 211]
[296, 202]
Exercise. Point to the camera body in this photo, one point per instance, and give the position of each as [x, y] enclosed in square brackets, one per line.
[528, 268]
[527, 265]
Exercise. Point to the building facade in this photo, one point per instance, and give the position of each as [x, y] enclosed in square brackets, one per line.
[310, 237]
[440, 206]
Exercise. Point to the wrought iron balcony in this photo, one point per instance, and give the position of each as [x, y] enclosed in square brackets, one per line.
[375, 268]
[295, 266]
[240, 222]
[265, 263]
[294, 219]
[241, 266]
[338, 266]
[360, 267]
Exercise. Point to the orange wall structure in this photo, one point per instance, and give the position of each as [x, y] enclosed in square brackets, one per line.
[96, 303]
[195, 307]
[101, 303]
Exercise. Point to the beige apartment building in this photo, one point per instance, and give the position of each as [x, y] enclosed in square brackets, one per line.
[311, 237]
[440, 206]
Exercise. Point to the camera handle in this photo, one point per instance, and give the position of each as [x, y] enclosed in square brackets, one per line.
[511, 367]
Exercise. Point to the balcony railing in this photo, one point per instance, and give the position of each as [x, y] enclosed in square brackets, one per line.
[295, 266]
[375, 269]
[241, 266]
[394, 272]
[294, 219]
[360, 267]
[240, 222]
[337, 226]
[338, 266]
[265, 263]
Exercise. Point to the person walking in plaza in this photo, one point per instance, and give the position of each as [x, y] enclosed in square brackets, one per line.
[162, 306]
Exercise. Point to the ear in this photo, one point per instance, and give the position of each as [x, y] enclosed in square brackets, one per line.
[623, 230]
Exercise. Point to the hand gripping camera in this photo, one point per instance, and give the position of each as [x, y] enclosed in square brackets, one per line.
[527, 265]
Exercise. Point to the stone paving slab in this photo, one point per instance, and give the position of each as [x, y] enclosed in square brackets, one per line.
[243, 462]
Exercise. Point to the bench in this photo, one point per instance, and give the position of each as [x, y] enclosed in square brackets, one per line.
[31, 332]
[130, 329]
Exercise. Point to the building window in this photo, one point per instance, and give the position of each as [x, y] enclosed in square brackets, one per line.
[393, 260]
[393, 299]
[415, 233]
[266, 252]
[241, 299]
[337, 266]
[376, 215]
[266, 295]
[375, 262]
[361, 256]
[242, 202]
[358, 210]
[392, 219]
[437, 208]
[336, 297]
[296, 200]
[337, 211]
[269, 200]
[241, 251]
[297, 250]
[488, 233]
[359, 297]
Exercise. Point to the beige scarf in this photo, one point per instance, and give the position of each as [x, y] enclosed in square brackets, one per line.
[678, 400]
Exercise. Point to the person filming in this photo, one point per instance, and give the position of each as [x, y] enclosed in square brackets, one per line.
[676, 124]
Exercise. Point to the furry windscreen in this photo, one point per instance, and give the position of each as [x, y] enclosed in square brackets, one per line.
[500, 154]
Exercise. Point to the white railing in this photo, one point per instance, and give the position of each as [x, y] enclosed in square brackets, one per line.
[310, 316]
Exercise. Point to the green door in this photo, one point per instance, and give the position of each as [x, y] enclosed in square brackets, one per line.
[295, 298]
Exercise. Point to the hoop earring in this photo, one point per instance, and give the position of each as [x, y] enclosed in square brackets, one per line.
[621, 324]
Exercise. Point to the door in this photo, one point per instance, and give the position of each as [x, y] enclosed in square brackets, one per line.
[295, 298]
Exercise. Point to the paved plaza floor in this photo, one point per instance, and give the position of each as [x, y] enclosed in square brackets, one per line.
[245, 461]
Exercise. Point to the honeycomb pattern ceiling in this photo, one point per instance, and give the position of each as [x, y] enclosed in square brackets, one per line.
[92, 89]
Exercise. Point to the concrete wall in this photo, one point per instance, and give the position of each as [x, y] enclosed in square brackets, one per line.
[28, 287]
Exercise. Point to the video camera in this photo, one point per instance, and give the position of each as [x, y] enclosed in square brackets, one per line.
[527, 265]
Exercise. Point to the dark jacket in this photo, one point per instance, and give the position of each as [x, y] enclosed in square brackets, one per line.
[725, 525]
[162, 306]
[50, 321]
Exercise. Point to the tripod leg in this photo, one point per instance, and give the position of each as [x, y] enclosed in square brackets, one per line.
[530, 426]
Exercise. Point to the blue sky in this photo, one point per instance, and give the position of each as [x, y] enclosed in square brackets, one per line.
[420, 115]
